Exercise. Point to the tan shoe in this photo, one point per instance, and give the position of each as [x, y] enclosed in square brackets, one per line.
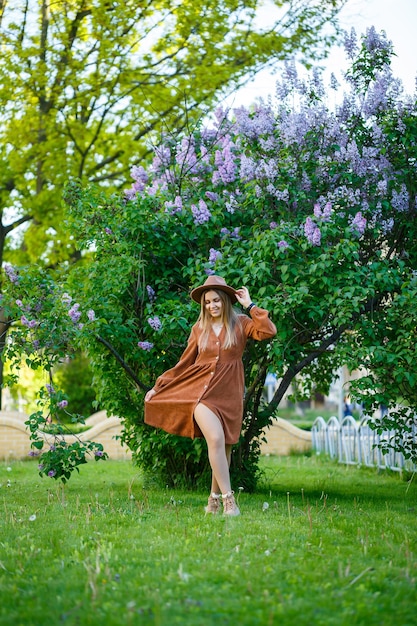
[213, 504]
[229, 505]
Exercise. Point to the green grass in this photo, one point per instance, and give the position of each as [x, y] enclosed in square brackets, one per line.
[306, 419]
[336, 546]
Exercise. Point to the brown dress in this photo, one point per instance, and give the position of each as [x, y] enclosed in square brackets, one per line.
[213, 377]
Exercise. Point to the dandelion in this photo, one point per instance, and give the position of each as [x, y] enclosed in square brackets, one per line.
[145, 345]
[265, 506]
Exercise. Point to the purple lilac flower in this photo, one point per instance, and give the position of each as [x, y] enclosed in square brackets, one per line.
[185, 155]
[359, 223]
[400, 199]
[374, 41]
[334, 83]
[214, 255]
[273, 225]
[98, 453]
[91, 315]
[41, 466]
[312, 232]
[11, 273]
[151, 293]
[139, 174]
[324, 214]
[24, 320]
[33, 453]
[74, 313]
[32, 324]
[62, 404]
[19, 303]
[36, 344]
[51, 473]
[109, 231]
[66, 299]
[161, 159]
[50, 389]
[145, 345]
[350, 43]
[200, 213]
[209, 271]
[211, 195]
[52, 448]
[225, 163]
[174, 207]
[247, 168]
[154, 322]
[282, 245]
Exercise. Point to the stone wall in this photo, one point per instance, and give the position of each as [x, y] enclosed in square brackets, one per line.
[15, 442]
[283, 438]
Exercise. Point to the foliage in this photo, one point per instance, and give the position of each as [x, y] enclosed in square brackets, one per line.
[75, 378]
[87, 86]
[312, 209]
[320, 543]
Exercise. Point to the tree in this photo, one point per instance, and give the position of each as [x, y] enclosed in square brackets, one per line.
[313, 209]
[87, 85]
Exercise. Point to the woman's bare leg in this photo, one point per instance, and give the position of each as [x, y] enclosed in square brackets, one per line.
[219, 459]
[214, 484]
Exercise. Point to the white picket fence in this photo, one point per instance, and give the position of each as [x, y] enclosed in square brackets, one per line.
[356, 443]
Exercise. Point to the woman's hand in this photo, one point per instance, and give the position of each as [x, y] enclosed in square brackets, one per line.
[149, 395]
[243, 297]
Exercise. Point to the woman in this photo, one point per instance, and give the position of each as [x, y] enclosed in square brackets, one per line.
[203, 394]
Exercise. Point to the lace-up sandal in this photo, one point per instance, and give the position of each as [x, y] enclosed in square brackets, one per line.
[213, 504]
[229, 505]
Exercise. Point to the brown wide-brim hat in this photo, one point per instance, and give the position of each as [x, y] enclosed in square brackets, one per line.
[218, 284]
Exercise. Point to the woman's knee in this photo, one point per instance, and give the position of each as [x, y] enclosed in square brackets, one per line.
[210, 426]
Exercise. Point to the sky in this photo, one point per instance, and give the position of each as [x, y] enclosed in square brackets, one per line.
[398, 18]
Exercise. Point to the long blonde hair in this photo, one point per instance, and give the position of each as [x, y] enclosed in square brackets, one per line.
[230, 319]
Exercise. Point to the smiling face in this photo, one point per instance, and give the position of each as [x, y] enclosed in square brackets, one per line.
[213, 304]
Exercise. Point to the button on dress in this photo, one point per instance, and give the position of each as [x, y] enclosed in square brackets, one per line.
[213, 376]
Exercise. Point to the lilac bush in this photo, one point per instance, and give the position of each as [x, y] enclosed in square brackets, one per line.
[313, 208]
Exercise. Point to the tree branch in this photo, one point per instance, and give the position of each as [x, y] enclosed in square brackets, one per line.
[123, 363]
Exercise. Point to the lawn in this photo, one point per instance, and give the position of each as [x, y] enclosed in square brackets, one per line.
[318, 544]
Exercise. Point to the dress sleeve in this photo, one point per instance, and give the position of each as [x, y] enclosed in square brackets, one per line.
[258, 325]
[188, 358]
